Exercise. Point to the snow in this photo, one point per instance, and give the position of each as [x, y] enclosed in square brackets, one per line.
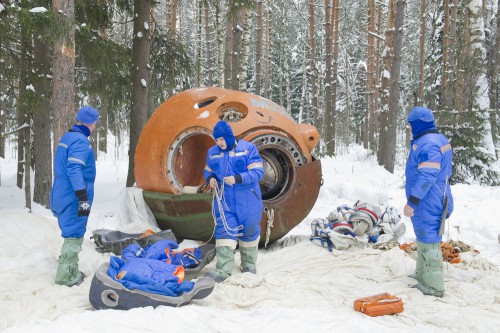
[299, 286]
[203, 115]
[33, 10]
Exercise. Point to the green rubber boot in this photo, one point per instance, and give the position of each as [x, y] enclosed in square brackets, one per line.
[249, 259]
[431, 277]
[67, 270]
[224, 266]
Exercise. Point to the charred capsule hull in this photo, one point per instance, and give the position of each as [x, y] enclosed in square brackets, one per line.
[171, 155]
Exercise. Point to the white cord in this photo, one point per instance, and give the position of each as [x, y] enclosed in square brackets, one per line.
[221, 203]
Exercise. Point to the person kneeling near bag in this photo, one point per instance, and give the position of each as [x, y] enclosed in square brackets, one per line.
[234, 168]
[73, 192]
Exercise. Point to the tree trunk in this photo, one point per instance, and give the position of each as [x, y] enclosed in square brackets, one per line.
[495, 86]
[378, 84]
[452, 36]
[140, 80]
[236, 56]
[228, 50]
[331, 109]
[63, 71]
[173, 17]
[197, 61]
[266, 68]
[103, 112]
[346, 132]
[479, 93]
[41, 125]
[303, 97]
[245, 50]
[258, 48]
[445, 91]
[421, 70]
[434, 59]
[103, 123]
[27, 173]
[333, 123]
[22, 106]
[208, 46]
[329, 12]
[369, 130]
[390, 84]
[220, 42]
[168, 15]
[312, 65]
[3, 90]
[460, 98]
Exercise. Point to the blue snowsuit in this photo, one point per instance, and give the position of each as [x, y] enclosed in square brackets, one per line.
[243, 200]
[428, 171]
[237, 208]
[74, 170]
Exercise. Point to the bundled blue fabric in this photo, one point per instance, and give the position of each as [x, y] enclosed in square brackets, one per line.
[153, 276]
[163, 250]
[156, 268]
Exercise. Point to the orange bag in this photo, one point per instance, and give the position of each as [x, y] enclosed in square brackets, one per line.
[379, 305]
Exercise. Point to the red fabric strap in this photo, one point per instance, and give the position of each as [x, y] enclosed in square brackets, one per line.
[369, 211]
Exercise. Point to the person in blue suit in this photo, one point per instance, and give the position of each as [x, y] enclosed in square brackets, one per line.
[73, 192]
[233, 170]
[428, 194]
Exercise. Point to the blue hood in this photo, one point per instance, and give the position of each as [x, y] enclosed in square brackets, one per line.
[421, 120]
[222, 129]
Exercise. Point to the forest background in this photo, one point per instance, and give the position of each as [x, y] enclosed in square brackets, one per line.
[354, 69]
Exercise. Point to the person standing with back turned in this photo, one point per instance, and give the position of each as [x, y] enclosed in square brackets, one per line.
[429, 198]
[233, 171]
[73, 192]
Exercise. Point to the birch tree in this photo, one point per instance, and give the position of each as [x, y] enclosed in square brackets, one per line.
[245, 49]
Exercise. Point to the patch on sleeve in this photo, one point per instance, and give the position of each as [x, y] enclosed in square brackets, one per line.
[423, 157]
[239, 165]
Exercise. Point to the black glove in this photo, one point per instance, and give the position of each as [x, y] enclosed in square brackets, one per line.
[83, 203]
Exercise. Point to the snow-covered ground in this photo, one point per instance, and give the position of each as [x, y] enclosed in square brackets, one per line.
[299, 287]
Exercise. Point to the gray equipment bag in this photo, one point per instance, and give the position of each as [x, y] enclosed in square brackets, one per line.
[115, 241]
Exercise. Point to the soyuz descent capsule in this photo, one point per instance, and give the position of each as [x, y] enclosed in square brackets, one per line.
[172, 149]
